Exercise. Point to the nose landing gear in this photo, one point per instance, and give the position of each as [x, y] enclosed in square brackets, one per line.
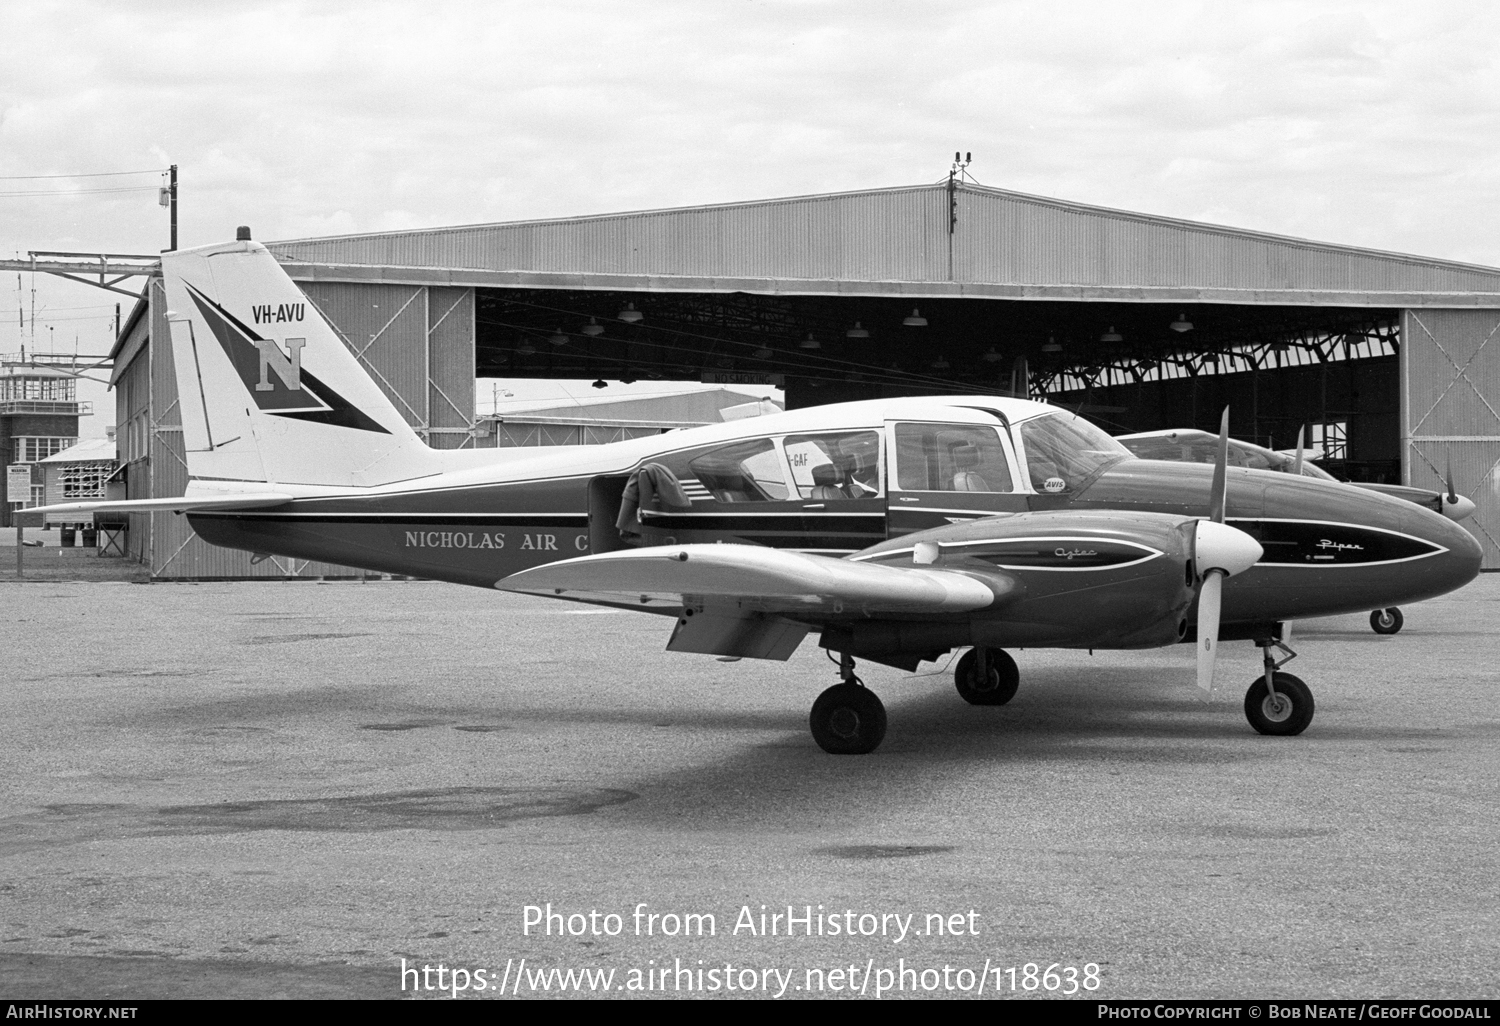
[848, 718]
[1278, 703]
[1386, 621]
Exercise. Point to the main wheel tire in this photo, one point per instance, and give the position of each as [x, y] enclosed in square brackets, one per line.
[1289, 714]
[1386, 621]
[999, 685]
[848, 719]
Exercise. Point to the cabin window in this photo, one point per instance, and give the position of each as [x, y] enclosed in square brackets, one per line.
[1064, 452]
[845, 465]
[950, 458]
[744, 472]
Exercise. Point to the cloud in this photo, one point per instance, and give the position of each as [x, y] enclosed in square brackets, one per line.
[1370, 123]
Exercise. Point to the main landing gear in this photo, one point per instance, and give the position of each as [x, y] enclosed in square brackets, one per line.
[1278, 703]
[986, 676]
[848, 718]
[1386, 621]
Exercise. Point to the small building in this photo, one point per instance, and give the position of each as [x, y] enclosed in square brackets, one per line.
[39, 411]
[601, 420]
[77, 474]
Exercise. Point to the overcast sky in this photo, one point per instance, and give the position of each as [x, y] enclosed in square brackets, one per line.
[1368, 123]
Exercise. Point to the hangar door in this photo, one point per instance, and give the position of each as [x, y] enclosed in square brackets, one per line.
[1450, 409]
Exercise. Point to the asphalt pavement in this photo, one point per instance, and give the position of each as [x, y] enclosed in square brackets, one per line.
[298, 789]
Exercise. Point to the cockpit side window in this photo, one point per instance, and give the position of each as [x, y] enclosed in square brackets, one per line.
[1065, 452]
[950, 458]
[845, 465]
[744, 472]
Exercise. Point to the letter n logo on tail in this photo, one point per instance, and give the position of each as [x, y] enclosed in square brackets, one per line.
[288, 365]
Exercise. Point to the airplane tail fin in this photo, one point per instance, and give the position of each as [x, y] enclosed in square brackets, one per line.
[268, 391]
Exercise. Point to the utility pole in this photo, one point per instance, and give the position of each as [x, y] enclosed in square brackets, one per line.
[172, 198]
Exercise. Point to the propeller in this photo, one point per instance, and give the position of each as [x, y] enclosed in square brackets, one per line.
[1219, 551]
[1297, 466]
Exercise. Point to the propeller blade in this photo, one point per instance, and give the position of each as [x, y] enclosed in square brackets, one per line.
[1452, 492]
[1219, 551]
[1297, 466]
[1210, 594]
[1216, 497]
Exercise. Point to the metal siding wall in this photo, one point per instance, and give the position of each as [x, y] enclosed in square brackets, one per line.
[899, 235]
[133, 398]
[450, 347]
[902, 235]
[1450, 395]
[170, 534]
[386, 327]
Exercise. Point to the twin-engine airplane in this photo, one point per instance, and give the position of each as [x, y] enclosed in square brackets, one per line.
[895, 530]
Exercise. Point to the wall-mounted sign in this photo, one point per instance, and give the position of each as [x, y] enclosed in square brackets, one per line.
[18, 483]
[742, 378]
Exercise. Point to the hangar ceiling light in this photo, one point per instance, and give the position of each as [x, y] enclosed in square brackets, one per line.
[593, 327]
[557, 338]
[858, 331]
[1111, 335]
[992, 356]
[810, 343]
[1051, 346]
[916, 320]
[630, 315]
[1182, 323]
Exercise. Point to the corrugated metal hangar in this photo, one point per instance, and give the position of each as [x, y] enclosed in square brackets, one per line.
[1142, 322]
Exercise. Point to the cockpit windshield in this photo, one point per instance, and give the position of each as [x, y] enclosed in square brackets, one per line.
[1064, 452]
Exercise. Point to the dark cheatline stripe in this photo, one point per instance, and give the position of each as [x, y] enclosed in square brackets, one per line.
[1073, 555]
[424, 520]
[1304, 543]
[859, 523]
[834, 543]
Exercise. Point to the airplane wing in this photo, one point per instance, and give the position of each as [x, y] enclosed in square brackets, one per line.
[178, 504]
[741, 600]
[772, 578]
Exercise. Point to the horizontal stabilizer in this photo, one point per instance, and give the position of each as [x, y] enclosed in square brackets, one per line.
[773, 579]
[178, 504]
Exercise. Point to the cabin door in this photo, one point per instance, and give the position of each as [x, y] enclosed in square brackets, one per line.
[943, 474]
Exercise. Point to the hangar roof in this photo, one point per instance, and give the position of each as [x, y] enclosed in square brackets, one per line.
[912, 241]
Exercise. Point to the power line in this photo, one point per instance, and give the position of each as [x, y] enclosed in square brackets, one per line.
[78, 192]
[95, 174]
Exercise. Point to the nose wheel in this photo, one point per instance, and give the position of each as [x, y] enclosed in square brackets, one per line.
[1278, 703]
[1386, 621]
[986, 676]
[848, 718]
